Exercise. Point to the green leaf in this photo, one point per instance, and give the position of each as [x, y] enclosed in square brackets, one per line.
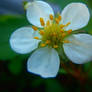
[9, 24]
[15, 65]
[62, 71]
[89, 27]
[90, 3]
[24, 4]
[63, 3]
[53, 86]
[88, 69]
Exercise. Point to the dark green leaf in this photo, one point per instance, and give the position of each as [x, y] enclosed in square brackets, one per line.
[15, 65]
[53, 86]
[88, 69]
[63, 3]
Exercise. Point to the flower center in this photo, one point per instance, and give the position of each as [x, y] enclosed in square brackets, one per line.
[53, 33]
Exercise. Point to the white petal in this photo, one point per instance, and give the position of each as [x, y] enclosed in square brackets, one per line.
[36, 10]
[77, 14]
[79, 50]
[22, 41]
[44, 62]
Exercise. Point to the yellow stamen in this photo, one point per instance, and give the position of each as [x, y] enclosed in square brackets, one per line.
[62, 31]
[57, 20]
[43, 45]
[41, 32]
[51, 17]
[66, 41]
[34, 28]
[54, 34]
[42, 22]
[67, 24]
[36, 38]
[59, 17]
[69, 31]
[61, 25]
[48, 42]
[55, 46]
[48, 23]
[63, 34]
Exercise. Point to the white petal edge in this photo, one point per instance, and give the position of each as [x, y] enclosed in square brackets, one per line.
[76, 13]
[36, 10]
[44, 62]
[21, 40]
[79, 51]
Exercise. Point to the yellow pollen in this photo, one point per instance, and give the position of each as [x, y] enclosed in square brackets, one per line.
[42, 22]
[48, 42]
[55, 46]
[69, 31]
[62, 31]
[61, 25]
[41, 32]
[51, 17]
[36, 38]
[57, 20]
[54, 34]
[66, 41]
[63, 34]
[35, 28]
[48, 23]
[67, 24]
[43, 45]
[59, 17]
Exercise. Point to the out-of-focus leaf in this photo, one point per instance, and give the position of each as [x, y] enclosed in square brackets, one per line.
[24, 4]
[62, 71]
[88, 69]
[89, 27]
[53, 86]
[63, 3]
[90, 3]
[37, 82]
[9, 24]
[15, 65]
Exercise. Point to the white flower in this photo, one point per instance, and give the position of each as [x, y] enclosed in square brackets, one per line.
[49, 34]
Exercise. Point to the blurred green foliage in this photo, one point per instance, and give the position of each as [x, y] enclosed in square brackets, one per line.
[88, 69]
[15, 65]
[54, 88]
[63, 3]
